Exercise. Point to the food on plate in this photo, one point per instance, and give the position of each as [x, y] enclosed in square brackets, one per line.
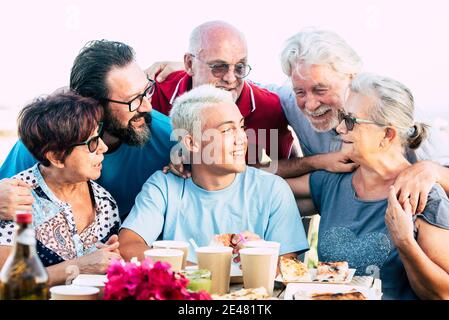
[353, 295]
[293, 270]
[245, 294]
[332, 271]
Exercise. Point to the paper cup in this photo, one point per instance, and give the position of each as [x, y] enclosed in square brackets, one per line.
[91, 280]
[259, 267]
[218, 261]
[173, 244]
[73, 292]
[172, 256]
[262, 244]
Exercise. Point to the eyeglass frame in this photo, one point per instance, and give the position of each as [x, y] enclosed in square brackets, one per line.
[88, 141]
[351, 121]
[228, 65]
[143, 94]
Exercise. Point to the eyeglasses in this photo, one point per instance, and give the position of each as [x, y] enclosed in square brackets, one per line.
[350, 121]
[241, 70]
[93, 142]
[135, 103]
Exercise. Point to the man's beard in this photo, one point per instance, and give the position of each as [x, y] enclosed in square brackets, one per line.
[322, 126]
[129, 135]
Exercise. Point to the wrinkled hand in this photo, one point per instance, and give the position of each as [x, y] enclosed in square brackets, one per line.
[97, 262]
[15, 195]
[164, 68]
[398, 220]
[414, 184]
[177, 169]
[245, 236]
[337, 162]
[112, 239]
[176, 165]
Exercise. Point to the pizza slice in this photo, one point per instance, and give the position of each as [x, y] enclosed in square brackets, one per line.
[332, 271]
[293, 270]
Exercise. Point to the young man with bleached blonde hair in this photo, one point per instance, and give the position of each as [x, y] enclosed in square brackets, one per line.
[223, 195]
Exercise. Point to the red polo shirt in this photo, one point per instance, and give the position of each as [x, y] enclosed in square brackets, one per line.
[261, 109]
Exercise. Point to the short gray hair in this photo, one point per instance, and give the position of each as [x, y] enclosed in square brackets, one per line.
[394, 106]
[322, 47]
[188, 107]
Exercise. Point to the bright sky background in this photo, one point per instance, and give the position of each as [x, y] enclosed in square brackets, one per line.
[403, 39]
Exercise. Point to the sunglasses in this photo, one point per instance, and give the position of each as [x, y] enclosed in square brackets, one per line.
[350, 120]
[93, 142]
[241, 70]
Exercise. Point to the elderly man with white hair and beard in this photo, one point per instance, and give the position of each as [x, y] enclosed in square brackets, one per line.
[321, 65]
[223, 195]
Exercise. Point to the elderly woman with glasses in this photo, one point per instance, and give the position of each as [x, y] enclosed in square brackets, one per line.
[76, 220]
[361, 219]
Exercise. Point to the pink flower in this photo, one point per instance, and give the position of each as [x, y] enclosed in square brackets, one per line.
[147, 281]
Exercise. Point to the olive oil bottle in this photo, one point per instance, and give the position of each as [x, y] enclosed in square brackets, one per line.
[23, 276]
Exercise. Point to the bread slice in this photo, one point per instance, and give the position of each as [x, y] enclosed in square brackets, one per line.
[293, 270]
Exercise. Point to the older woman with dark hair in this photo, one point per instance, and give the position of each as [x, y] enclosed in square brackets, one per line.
[75, 219]
[410, 254]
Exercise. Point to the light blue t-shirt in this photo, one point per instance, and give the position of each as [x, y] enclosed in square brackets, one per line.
[124, 171]
[354, 230]
[177, 209]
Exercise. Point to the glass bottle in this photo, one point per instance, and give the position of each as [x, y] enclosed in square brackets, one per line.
[23, 276]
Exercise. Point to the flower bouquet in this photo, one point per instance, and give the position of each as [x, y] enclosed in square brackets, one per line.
[147, 281]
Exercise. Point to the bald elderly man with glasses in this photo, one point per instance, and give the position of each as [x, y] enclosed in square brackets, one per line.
[218, 56]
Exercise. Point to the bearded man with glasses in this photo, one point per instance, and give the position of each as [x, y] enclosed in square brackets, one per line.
[137, 137]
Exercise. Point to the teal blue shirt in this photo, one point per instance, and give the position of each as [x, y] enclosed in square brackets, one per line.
[173, 208]
[124, 171]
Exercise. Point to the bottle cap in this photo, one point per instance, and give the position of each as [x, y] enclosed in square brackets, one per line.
[24, 217]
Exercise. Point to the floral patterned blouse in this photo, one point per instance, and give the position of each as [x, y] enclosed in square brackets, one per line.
[56, 234]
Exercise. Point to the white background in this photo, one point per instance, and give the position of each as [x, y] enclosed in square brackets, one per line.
[406, 40]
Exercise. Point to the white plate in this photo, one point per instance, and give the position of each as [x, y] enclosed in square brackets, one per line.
[307, 289]
[235, 270]
[312, 273]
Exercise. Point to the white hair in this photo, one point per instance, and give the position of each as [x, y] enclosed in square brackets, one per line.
[394, 106]
[321, 47]
[196, 36]
[187, 109]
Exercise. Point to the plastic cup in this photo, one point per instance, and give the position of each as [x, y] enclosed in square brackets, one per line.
[198, 280]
